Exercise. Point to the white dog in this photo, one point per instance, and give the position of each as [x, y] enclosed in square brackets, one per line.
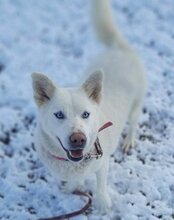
[69, 119]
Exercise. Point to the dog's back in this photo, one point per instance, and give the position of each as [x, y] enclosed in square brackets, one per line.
[125, 78]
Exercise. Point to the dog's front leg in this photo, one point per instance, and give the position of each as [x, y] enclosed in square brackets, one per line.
[103, 201]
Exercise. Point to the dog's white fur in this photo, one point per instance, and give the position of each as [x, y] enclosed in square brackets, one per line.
[117, 98]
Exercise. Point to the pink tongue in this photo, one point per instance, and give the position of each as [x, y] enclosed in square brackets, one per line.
[77, 153]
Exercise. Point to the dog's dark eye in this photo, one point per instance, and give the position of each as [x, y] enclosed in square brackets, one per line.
[85, 115]
[59, 115]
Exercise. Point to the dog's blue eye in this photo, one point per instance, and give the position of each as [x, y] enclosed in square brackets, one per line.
[85, 115]
[59, 115]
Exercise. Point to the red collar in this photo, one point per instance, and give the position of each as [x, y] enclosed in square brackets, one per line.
[106, 125]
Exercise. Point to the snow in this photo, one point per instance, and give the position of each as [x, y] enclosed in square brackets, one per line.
[58, 39]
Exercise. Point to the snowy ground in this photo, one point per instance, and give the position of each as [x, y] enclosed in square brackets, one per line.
[55, 37]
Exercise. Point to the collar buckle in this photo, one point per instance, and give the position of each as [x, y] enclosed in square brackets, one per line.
[98, 154]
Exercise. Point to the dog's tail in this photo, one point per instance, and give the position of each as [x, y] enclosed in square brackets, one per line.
[104, 25]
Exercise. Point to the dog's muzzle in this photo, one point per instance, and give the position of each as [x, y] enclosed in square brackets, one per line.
[75, 153]
[78, 142]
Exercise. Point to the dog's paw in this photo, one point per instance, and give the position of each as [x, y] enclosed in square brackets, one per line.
[69, 187]
[103, 203]
[128, 144]
[66, 187]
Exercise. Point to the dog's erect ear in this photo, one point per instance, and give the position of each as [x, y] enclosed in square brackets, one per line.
[93, 85]
[43, 88]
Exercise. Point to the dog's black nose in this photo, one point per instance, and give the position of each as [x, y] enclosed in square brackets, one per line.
[77, 140]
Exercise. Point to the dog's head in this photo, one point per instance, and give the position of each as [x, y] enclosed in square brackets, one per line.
[69, 116]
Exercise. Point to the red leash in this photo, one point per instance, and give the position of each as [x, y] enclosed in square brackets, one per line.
[108, 124]
[75, 213]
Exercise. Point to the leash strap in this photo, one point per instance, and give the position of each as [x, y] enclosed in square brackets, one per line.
[108, 124]
[78, 212]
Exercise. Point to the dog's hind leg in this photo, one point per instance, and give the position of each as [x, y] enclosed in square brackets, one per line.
[129, 141]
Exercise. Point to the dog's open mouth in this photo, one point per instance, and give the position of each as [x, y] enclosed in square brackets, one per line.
[75, 155]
